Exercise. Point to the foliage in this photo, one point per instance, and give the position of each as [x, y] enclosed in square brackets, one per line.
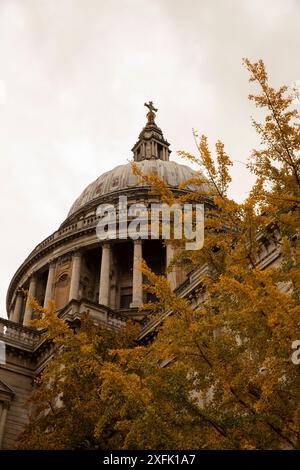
[67, 403]
[219, 374]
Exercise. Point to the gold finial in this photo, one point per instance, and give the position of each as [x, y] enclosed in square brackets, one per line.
[151, 113]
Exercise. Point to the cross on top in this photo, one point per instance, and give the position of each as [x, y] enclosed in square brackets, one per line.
[151, 113]
[150, 106]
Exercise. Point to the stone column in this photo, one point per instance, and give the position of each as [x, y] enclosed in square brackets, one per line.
[31, 293]
[75, 276]
[49, 286]
[104, 287]
[137, 279]
[3, 413]
[114, 280]
[171, 275]
[154, 149]
[16, 316]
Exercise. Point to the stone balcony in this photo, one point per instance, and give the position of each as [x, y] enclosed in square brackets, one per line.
[76, 309]
[29, 339]
[18, 336]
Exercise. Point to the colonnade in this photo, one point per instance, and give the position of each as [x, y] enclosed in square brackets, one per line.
[104, 282]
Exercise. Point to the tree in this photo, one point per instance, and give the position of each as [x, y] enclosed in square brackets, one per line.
[218, 375]
[237, 345]
[67, 402]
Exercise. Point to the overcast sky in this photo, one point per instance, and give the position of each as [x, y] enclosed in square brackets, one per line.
[74, 75]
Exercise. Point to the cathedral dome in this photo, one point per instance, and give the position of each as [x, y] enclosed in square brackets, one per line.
[151, 154]
[122, 178]
[73, 264]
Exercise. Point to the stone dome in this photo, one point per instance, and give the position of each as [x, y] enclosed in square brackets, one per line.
[67, 265]
[122, 178]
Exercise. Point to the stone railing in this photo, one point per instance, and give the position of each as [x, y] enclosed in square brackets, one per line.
[28, 339]
[192, 281]
[76, 309]
[65, 231]
[14, 334]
